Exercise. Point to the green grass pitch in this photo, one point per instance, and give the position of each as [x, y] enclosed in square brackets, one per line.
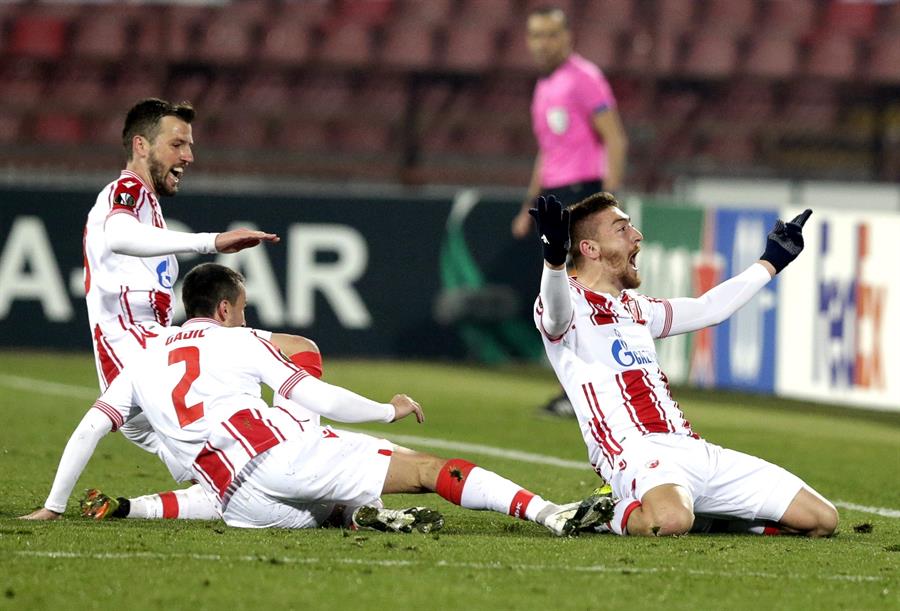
[480, 560]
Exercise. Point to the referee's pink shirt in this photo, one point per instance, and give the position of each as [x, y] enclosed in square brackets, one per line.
[562, 111]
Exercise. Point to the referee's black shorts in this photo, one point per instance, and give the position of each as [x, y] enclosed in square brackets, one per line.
[574, 193]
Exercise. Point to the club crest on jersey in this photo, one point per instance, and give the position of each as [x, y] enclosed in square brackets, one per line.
[652, 464]
[626, 357]
[125, 199]
[163, 276]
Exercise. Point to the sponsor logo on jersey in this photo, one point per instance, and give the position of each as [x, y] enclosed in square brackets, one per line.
[125, 199]
[163, 276]
[627, 357]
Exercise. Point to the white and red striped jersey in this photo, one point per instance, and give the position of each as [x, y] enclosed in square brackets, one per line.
[200, 391]
[123, 290]
[606, 362]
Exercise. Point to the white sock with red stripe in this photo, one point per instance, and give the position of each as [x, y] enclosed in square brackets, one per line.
[192, 503]
[472, 487]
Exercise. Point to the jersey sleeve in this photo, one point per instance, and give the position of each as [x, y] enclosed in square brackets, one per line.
[553, 309]
[127, 194]
[595, 93]
[658, 314]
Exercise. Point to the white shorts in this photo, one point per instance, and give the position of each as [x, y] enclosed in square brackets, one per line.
[297, 483]
[721, 482]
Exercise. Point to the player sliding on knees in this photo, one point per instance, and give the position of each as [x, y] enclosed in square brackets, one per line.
[598, 334]
[200, 392]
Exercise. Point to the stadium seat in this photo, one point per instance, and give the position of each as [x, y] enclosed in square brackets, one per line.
[425, 13]
[832, 56]
[514, 54]
[11, 127]
[638, 52]
[80, 87]
[407, 45]
[883, 65]
[367, 12]
[299, 134]
[598, 45]
[384, 96]
[730, 16]
[850, 18]
[266, 92]
[470, 48]
[790, 17]
[24, 84]
[59, 128]
[247, 134]
[102, 35]
[348, 45]
[495, 14]
[811, 106]
[325, 96]
[38, 35]
[183, 29]
[771, 56]
[605, 16]
[674, 15]
[363, 137]
[285, 42]
[710, 54]
[227, 40]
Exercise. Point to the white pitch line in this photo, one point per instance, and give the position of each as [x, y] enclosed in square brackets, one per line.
[482, 566]
[81, 392]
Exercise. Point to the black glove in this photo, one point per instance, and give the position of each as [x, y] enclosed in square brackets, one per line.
[785, 241]
[553, 228]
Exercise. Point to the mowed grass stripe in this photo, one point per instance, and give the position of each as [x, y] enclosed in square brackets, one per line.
[482, 566]
[82, 392]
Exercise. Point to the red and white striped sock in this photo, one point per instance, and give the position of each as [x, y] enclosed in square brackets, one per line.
[472, 487]
[192, 503]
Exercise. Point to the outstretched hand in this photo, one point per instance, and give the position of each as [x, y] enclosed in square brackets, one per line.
[553, 228]
[239, 239]
[404, 406]
[785, 241]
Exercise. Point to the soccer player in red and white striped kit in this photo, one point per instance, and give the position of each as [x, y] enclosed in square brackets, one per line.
[199, 389]
[598, 334]
[130, 269]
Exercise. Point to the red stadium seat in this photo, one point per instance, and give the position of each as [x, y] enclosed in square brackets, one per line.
[80, 87]
[811, 106]
[598, 45]
[470, 48]
[39, 35]
[59, 128]
[514, 53]
[606, 16]
[298, 134]
[495, 14]
[266, 92]
[832, 57]
[286, 42]
[408, 45]
[11, 128]
[674, 15]
[348, 45]
[364, 136]
[730, 16]
[710, 54]
[227, 41]
[884, 62]
[24, 84]
[772, 56]
[850, 18]
[249, 133]
[790, 17]
[324, 97]
[183, 29]
[103, 35]
[425, 13]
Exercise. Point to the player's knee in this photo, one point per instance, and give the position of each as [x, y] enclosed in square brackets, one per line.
[826, 518]
[674, 522]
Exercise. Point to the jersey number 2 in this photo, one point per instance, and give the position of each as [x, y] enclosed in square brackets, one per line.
[190, 356]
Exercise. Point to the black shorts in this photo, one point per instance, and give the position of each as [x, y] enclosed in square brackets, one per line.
[574, 193]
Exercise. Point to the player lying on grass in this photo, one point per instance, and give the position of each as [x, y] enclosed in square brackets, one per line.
[200, 391]
[598, 334]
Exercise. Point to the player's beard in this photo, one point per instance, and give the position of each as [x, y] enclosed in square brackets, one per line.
[158, 174]
[626, 276]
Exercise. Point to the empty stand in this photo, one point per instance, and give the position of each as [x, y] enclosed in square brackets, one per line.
[39, 35]
[710, 54]
[408, 45]
[772, 56]
[286, 42]
[832, 56]
[470, 47]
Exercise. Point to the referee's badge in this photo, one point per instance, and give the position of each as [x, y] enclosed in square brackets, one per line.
[558, 120]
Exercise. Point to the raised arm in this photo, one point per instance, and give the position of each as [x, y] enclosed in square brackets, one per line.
[784, 243]
[553, 229]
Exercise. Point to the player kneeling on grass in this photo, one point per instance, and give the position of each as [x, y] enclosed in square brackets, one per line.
[598, 334]
[200, 391]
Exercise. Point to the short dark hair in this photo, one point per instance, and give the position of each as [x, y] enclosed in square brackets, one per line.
[206, 286]
[548, 10]
[580, 216]
[144, 117]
